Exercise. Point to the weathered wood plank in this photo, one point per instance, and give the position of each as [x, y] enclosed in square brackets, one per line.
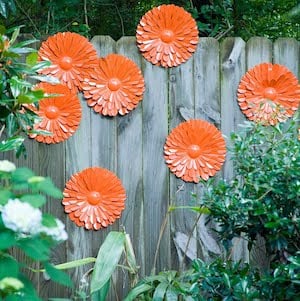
[232, 59]
[103, 144]
[181, 108]
[78, 157]
[233, 67]
[130, 168]
[258, 50]
[207, 107]
[51, 160]
[155, 171]
[287, 52]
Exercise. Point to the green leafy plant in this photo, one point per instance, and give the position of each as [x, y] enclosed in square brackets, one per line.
[19, 68]
[263, 198]
[24, 227]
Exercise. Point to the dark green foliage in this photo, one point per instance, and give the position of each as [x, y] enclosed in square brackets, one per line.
[264, 196]
[215, 18]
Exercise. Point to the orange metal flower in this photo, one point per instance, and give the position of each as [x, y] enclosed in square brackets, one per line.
[195, 149]
[60, 114]
[167, 35]
[116, 87]
[94, 198]
[72, 56]
[269, 93]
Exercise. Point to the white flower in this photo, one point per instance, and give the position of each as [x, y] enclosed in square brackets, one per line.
[21, 217]
[7, 166]
[58, 233]
[10, 283]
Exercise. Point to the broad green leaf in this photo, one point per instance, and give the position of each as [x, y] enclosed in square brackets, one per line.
[160, 291]
[108, 257]
[101, 294]
[171, 294]
[12, 143]
[49, 188]
[35, 200]
[9, 267]
[7, 240]
[58, 275]
[35, 248]
[138, 290]
[25, 43]
[5, 195]
[22, 174]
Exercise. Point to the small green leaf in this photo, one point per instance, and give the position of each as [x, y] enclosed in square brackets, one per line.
[9, 267]
[49, 188]
[32, 58]
[58, 275]
[5, 195]
[35, 248]
[35, 200]
[7, 240]
[22, 174]
[48, 220]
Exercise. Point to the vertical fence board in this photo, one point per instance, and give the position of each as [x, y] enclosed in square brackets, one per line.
[130, 167]
[287, 52]
[51, 160]
[232, 69]
[181, 107]
[155, 171]
[78, 157]
[207, 107]
[258, 50]
[103, 144]
[132, 146]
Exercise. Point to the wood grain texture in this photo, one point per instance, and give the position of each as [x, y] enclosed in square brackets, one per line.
[258, 50]
[181, 99]
[132, 146]
[155, 171]
[287, 52]
[233, 67]
[130, 168]
[207, 107]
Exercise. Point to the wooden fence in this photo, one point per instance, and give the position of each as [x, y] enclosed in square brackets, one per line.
[132, 146]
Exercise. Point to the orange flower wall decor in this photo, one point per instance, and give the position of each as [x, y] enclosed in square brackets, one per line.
[167, 35]
[60, 114]
[194, 149]
[116, 87]
[94, 198]
[72, 58]
[269, 93]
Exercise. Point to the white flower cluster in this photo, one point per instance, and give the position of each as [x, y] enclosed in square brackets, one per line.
[58, 233]
[7, 166]
[23, 218]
